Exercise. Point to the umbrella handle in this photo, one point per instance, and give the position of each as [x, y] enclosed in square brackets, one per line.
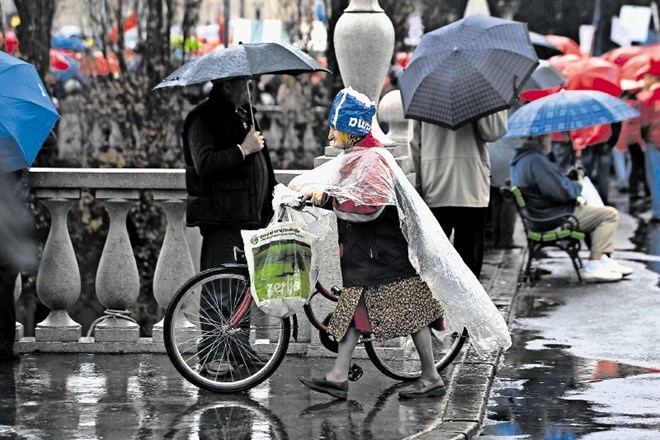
[247, 86]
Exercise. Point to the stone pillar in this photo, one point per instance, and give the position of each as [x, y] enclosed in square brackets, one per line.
[117, 279]
[58, 279]
[175, 264]
[364, 45]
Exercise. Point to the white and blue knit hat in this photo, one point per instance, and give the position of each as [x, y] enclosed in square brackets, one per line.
[352, 112]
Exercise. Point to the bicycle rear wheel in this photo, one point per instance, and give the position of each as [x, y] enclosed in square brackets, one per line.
[248, 344]
[398, 358]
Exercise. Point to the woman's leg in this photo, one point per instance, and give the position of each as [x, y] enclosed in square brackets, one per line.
[339, 371]
[424, 346]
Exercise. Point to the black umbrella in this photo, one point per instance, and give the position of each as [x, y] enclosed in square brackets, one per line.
[544, 77]
[543, 47]
[243, 60]
[466, 70]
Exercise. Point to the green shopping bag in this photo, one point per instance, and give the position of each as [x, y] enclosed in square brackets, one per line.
[283, 267]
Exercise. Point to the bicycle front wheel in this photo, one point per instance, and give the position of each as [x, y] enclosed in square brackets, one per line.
[398, 358]
[217, 338]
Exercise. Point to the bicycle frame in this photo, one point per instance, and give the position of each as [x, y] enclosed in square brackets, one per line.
[245, 305]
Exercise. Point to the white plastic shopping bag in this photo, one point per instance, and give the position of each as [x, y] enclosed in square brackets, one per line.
[590, 193]
[283, 266]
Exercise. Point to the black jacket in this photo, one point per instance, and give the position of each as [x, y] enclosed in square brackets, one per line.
[224, 190]
[373, 252]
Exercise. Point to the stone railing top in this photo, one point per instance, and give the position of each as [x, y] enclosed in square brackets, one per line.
[129, 178]
[121, 178]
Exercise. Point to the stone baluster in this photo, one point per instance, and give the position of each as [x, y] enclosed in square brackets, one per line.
[117, 279]
[18, 288]
[58, 279]
[175, 264]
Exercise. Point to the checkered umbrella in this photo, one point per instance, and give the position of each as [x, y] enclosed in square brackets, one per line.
[568, 110]
[466, 70]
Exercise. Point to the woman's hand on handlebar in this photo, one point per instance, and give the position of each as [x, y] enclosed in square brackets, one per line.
[316, 197]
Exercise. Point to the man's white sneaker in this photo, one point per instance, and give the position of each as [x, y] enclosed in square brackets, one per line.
[600, 275]
[614, 266]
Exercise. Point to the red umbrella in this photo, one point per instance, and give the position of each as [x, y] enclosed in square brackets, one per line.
[10, 40]
[647, 62]
[100, 65]
[58, 61]
[651, 96]
[622, 54]
[565, 44]
[560, 62]
[589, 73]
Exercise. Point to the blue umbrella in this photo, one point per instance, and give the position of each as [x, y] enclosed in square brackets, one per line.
[568, 110]
[27, 116]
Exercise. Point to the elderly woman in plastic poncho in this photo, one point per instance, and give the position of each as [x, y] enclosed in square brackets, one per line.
[399, 270]
[382, 293]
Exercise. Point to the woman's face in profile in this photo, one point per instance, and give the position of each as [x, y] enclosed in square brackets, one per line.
[335, 139]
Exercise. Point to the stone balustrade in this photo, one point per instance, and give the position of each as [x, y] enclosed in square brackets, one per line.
[117, 282]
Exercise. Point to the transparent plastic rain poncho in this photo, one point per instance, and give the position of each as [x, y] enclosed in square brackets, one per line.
[371, 176]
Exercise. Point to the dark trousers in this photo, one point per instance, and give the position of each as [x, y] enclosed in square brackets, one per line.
[502, 214]
[218, 249]
[637, 180]
[468, 226]
[597, 161]
[7, 312]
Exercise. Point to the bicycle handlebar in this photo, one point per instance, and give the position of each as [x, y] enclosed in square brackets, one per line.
[298, 206]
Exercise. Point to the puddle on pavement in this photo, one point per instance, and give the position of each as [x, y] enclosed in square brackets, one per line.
[529, 395]
[537, 392]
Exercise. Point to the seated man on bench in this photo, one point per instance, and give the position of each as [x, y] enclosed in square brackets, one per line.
[548, 193]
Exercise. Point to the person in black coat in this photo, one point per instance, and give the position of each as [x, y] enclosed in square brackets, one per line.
[230, 181]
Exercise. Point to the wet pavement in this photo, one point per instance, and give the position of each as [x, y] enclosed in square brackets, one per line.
[585, 361]
[141, 396]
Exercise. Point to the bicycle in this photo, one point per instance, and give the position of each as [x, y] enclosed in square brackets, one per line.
[196, 332]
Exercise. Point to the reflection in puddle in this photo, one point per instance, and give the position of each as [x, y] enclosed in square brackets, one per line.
[527, 394]
[544, 392]
[613, 370]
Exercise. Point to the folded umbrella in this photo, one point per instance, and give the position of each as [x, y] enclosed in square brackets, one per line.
[466, 70]
[568, 110]
[27, 116]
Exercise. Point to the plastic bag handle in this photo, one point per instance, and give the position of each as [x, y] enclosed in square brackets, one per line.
[282, 212]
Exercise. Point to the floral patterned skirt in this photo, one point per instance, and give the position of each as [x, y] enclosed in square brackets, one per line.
[395, 309]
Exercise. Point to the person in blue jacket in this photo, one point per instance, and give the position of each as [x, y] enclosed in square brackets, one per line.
[549, 192]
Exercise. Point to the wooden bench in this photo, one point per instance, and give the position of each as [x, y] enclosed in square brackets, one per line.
[566, 237]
